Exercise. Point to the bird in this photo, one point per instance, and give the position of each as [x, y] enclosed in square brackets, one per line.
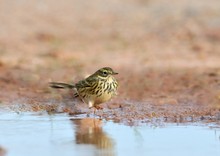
[98, 88]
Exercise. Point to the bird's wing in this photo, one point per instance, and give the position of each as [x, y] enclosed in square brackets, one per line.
[88, 82]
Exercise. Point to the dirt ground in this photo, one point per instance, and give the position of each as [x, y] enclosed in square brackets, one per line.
[167, 54]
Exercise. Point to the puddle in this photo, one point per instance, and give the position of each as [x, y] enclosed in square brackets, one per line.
[41, 134]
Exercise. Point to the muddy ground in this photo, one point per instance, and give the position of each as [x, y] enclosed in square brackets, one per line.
[167, 54]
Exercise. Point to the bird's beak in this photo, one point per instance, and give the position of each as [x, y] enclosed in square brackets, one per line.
[114, 73]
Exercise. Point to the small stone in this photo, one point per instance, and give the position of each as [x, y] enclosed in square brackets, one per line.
[114, 106]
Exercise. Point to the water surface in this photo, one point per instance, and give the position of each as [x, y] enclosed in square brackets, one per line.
[29, 134]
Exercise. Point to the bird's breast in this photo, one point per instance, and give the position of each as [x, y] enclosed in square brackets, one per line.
[101, 92]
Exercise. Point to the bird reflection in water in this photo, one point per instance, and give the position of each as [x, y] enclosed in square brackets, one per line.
[90, 131]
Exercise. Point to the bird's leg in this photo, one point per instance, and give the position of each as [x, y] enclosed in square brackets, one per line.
[99, 108]
[91, 105]
[94, 111]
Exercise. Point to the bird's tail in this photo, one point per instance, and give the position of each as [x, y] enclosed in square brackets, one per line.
[60, 85]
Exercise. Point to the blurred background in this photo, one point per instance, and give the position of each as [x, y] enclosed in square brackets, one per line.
[44, 40]
[114, 33]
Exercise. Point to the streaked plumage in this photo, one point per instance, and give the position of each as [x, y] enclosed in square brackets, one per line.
[98, 88]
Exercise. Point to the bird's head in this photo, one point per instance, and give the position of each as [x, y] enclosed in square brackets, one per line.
[105, 72]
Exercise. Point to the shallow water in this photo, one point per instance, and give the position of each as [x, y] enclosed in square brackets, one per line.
[29, 134]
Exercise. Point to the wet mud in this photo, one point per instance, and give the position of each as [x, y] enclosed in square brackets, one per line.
[146, 96]
[167, 59]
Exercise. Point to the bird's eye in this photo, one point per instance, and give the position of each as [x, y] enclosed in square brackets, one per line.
[105, 73]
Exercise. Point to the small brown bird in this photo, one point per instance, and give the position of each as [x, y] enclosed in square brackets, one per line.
[98, 88]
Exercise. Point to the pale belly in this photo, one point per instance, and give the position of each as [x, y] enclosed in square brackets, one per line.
[95, 100]
[103, 98]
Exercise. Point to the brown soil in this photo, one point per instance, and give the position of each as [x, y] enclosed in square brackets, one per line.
[167, 54]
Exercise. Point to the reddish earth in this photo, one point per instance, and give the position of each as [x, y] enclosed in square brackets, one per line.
[167, 54]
